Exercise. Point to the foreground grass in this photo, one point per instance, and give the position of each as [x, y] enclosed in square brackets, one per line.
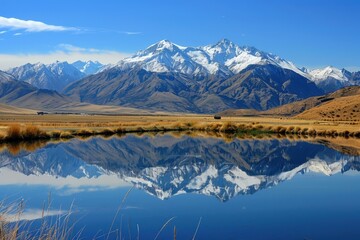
[13, 226]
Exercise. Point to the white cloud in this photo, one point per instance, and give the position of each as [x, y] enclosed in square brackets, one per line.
[132, 33]
[64, 52]
[72, 48]
[17, 34]
[31, 26]
[2, 32]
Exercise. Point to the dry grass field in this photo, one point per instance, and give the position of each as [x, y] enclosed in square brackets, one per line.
[343, 109]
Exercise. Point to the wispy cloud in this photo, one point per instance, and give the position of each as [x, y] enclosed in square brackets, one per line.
[31, 26]
[72, 48]
[132, 33]
[17, 34]
[2, 32]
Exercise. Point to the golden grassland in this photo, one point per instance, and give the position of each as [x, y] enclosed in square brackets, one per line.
[343, 109]
[17, 127]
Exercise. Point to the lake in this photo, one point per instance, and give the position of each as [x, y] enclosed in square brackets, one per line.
[142, 187]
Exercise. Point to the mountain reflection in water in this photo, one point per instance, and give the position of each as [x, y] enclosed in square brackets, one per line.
[165, 165]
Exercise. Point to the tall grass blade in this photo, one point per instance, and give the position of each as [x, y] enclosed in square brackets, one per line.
[162, 228]
[197, 228]
[118, 210]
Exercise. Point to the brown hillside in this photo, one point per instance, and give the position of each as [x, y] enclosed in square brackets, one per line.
[6, 109]
[339, 109]
[296, 108]
[239, 112]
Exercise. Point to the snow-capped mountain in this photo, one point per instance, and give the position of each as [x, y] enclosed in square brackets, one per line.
[53, 76]
[328, 72]
[330, 78]
[88, 67]
[164, 56]
[224, 57]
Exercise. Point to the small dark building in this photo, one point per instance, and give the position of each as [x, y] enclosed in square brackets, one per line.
[41, 113]
[217, 117]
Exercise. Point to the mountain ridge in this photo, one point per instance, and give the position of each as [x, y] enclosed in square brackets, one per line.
[54, 76]
[186, 93]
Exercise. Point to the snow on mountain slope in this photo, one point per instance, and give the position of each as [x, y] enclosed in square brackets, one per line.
[331, 79]
[224, 57]
[88, 67]
[329, 72]
[53, 76]
[5, 77]
[163, 56]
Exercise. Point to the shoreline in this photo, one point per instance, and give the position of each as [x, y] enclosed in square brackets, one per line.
[15, 128]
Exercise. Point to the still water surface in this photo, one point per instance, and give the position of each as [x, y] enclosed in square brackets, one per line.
[232, 189]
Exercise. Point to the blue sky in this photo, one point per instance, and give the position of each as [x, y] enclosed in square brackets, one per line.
[311, 33]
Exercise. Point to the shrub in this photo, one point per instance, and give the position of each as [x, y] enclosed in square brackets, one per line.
[32, 132]
[280, 130]
[84, 132]
[228, 127]
[66, 134]
[55, 134]
[311, 132]
[108, 131]
[304, 131]
[14, 131]
[290, 129]
[297, 130]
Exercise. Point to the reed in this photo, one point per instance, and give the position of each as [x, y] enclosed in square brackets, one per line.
[12, 227]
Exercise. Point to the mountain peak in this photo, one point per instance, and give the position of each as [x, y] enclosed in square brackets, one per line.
[328, 72]
[162, 45]
[225, 42]
[88, 67]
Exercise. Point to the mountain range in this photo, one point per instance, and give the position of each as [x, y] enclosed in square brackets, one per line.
[169, 77]
[173, 78]
[165, 166]
[54, 76]
[21, 97]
